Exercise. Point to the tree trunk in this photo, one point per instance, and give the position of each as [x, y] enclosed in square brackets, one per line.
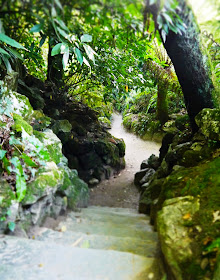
[54, 68]
[191, 65]
[162, 107]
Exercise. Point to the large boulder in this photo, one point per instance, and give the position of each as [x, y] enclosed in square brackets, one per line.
[208, 120]
[139, 175]
[176, 243]
[152, 162]
[147, 177]
[150, 194]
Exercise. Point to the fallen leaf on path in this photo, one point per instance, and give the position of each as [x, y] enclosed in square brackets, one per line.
[77, 242]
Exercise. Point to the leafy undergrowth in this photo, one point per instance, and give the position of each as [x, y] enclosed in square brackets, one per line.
[140, 116]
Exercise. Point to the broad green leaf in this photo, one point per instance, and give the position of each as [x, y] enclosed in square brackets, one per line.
[57, 2]
[6, 164]
[28, 160]
[86, 38]
[53, 12]
[42, 40]
[163, 34]
[160, 21]
[1, 199]
[65, 58]
[64, 48]
[4, 52]
[79, 56]
[2, 154]
[62, 24]
[4, 38]
[63, 33]
[36, 28]
[16, 162]
[56, 49]
[86, 62]
[15, 53]
[174, 29]
[213, 245]
[7, 64]
[167, 17]
[90, 52]
[21, 187]
[11, 226]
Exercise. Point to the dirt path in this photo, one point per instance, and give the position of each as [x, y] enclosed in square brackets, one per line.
[120, 190]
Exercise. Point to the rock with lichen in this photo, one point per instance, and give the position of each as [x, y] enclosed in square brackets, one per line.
[208, 120]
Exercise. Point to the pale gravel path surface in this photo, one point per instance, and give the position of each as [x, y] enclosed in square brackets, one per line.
[120, 191]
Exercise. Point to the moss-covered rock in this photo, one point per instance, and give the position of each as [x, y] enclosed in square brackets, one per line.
[175, 240]
[19, 104]
[105, 122]
[75, 189]
[20, 123]
[208, 120]
[46, 183]
[150, 194]
[61, 126]
[201, 181]
[182, 122]
[39, 120]
[53, 145]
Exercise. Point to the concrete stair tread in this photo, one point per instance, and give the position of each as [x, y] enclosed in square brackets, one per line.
[114, 210]
[106, 221]
[31, 259]
[94, 215]
[146, 247]
[105, 228]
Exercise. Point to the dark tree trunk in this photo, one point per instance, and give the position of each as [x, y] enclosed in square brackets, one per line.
[191, 65]
[162, 107]
[55, 68]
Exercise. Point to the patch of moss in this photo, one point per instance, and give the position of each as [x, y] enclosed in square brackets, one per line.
[40, 120]
[44, 182]
[20, 123]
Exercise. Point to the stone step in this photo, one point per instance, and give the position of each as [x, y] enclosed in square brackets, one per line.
[106, 221]
[116, 210]
[31, 259]
[106, 227]
[145, 247]
[100, 214]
